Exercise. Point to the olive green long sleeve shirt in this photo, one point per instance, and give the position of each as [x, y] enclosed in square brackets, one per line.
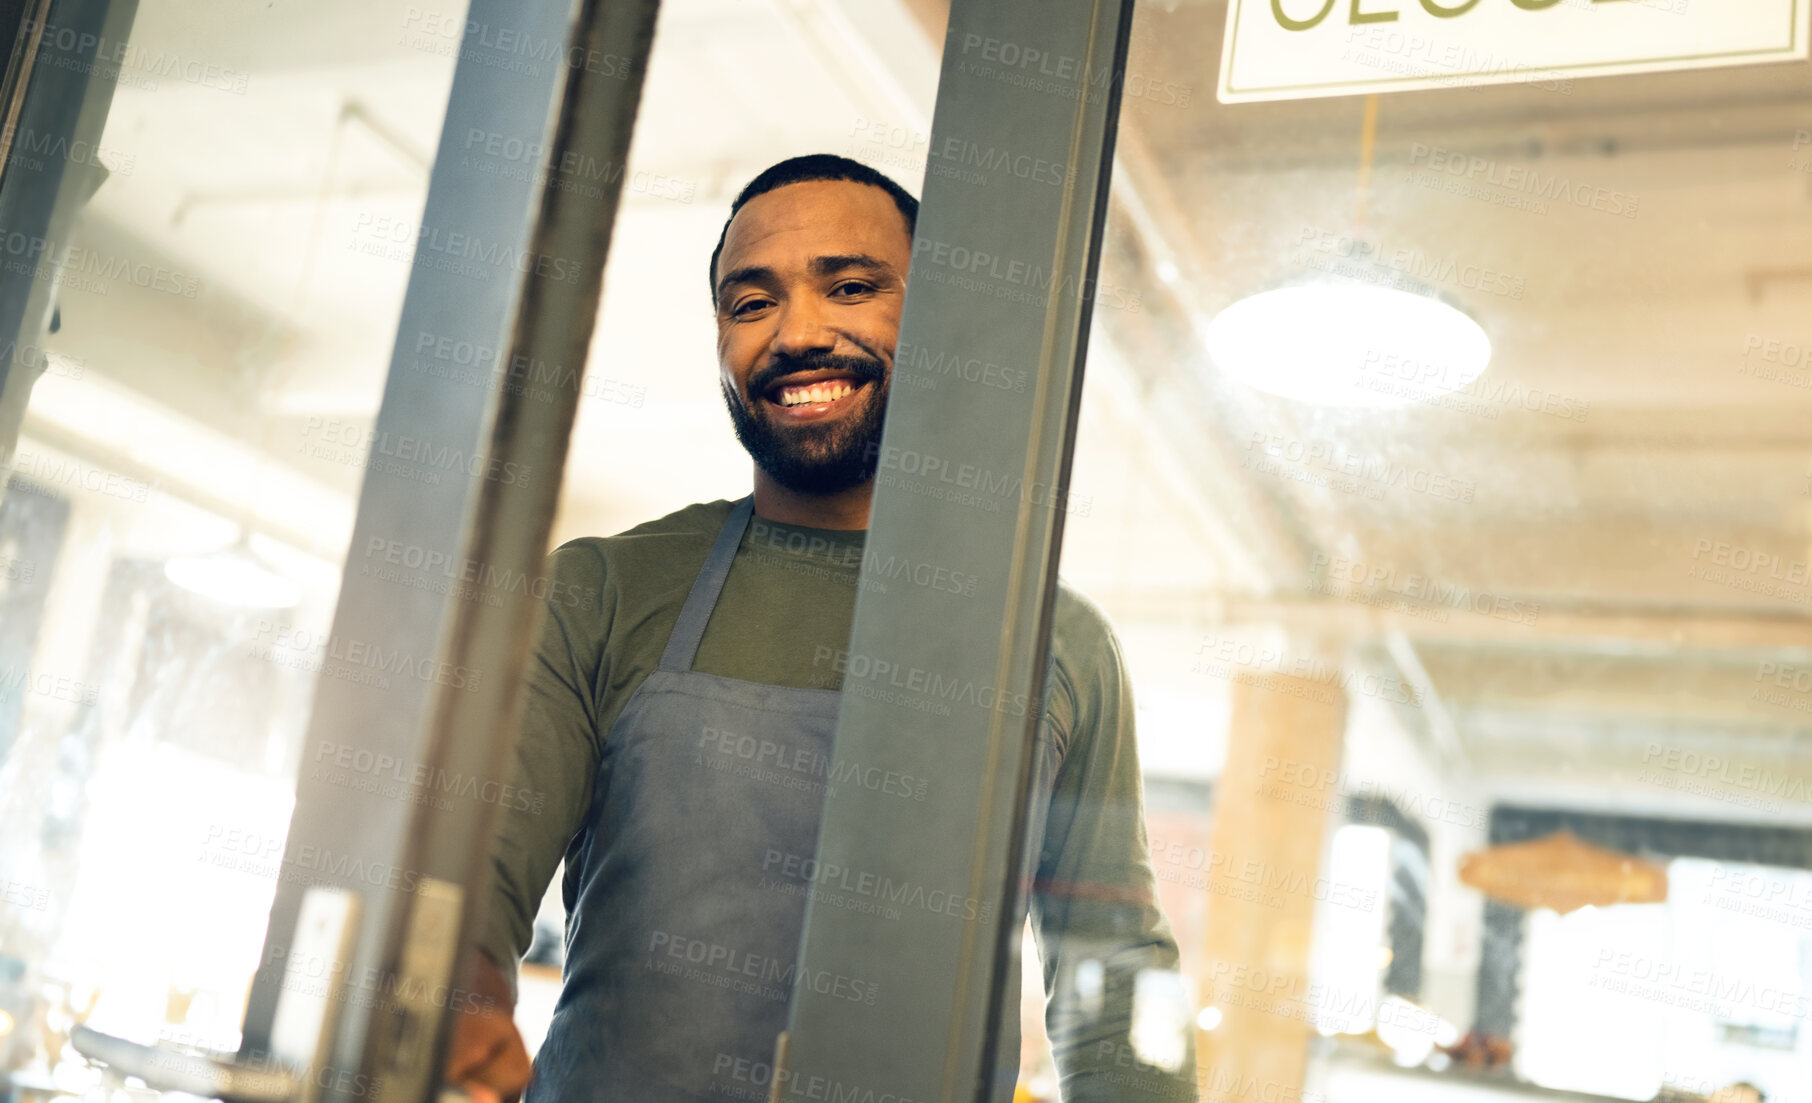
[784, 614]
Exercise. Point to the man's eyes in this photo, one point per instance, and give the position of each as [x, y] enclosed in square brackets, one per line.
[844, 289]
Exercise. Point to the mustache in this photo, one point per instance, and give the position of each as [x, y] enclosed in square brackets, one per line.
[869, 369]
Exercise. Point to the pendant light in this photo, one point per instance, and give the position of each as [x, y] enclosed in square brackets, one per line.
[1367, 337]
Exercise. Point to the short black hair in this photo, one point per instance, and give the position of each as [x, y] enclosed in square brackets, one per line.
[813, 166]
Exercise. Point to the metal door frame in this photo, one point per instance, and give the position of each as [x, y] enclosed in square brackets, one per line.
[974, 478]
[542, 251]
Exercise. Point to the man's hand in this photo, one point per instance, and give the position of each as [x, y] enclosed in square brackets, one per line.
[487, 1057]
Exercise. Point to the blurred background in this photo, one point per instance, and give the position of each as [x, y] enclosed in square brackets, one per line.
[1473, 706]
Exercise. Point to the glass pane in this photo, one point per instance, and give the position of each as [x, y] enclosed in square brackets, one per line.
[172, 532]
[1459, 496]
[1441, 474]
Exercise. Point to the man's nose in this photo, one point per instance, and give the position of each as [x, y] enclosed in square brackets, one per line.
[803, 328]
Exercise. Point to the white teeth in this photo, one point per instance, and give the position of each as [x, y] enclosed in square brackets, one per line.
[815, 394]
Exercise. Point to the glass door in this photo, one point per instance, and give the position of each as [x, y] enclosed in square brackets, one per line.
[179, 506]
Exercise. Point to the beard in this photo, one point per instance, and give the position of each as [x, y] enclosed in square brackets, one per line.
[821, 457]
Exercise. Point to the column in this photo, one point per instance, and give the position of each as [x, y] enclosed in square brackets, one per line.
[1272, 809]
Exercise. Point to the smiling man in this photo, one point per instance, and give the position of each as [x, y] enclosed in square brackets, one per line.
[680, 727]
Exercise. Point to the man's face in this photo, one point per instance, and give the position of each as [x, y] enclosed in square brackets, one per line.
[809, 289]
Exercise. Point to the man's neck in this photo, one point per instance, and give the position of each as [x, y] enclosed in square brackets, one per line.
[846, 509]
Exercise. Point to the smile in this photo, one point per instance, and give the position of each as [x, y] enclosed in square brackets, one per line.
[816, 394]
[813, 397]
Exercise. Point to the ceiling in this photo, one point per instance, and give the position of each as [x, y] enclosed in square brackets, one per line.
[1620, 444]
[1653, 448]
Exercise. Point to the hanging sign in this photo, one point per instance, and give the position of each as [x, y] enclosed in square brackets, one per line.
[1303, 49]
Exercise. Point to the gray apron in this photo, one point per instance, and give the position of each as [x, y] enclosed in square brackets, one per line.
[680, 953]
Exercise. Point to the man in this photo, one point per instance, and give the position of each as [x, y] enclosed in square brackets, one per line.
[708, 639]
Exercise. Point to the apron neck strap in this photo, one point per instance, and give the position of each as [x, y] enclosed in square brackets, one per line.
[682, 645]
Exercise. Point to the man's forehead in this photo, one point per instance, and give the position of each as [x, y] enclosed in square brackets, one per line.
[822, 215]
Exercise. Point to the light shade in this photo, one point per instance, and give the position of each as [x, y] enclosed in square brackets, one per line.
[1563, 872]
[1340, 342]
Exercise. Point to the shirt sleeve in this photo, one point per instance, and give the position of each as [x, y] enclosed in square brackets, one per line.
[557, 753]
[1100, 934]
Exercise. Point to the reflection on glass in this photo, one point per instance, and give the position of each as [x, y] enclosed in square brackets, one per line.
[1390, 594]
[1454, 591]
[177, 512]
